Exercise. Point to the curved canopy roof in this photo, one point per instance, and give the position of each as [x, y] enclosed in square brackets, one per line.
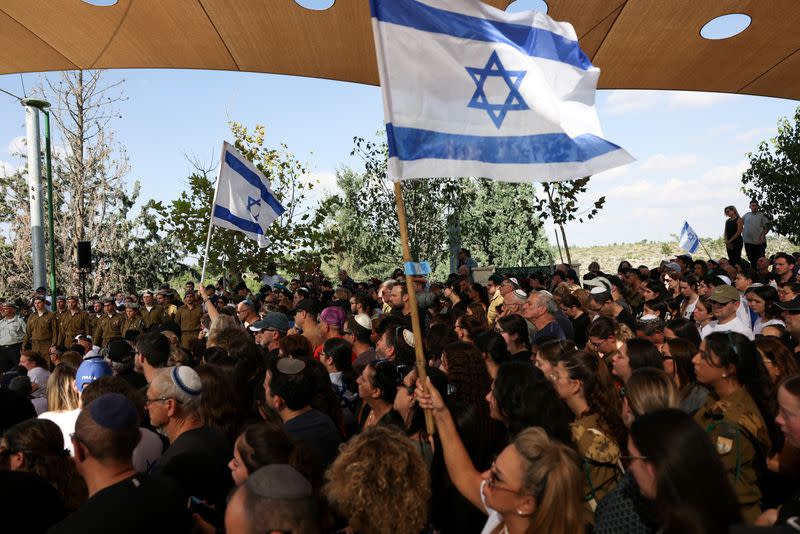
[638, 44]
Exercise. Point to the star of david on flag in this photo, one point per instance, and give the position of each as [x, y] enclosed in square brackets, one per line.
[243, 200]
[688, 240]
[470, 90]
[514, 101]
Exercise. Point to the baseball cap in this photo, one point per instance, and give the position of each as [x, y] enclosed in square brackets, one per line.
[307, 305]
[724, 294]
[274, 320]
[90, 370]
[673, 266]
[334, 316]
[789, 305]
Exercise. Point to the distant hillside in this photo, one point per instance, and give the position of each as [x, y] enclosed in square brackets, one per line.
[651, 253]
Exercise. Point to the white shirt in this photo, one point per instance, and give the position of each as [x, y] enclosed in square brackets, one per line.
[494, 520]
[148, 451]
[687, 313]
[759, 326]
[39, 376]
[66, 422]
[12, 331]
[735, 325]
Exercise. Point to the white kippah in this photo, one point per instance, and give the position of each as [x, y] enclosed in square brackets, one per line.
[187, 380]
[363, 320]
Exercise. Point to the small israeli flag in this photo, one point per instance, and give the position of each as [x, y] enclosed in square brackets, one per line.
[470, 90]
[243, 200]
[688, 240]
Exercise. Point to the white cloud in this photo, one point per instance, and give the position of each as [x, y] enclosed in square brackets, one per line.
[16, 146]
[754, 135]
[611, 175]
[696, 99]
[622, 102]
[662, 162]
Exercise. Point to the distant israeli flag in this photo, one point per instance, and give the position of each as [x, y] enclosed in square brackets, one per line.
[688, 240]
[470, 90]
[243, 200]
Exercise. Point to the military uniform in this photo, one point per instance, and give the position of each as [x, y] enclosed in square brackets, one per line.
[189, 321]
[153, 316]
[170, 312]
[133, 323]
[42, 332]
[740, 436]
[72, 325]
[600, 460]
[108, 328]
[496, 302]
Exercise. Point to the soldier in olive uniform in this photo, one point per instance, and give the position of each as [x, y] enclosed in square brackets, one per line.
[109, 326]
[164, 298]
[152, 313]
[188, 318]
[738, 432]
[61, 308]
[95, 315]
[133, 321]
[74, 321]
[42, 328]
[600, 459]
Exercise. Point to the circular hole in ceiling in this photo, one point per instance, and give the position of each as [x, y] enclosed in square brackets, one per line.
[527, 5]
[100, 3]
[725, 26]
[315, 5]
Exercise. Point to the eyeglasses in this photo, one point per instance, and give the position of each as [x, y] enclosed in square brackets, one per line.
[148, 402]
[494, 478]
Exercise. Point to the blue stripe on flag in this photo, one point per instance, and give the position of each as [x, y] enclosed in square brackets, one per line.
[253, 179]
[531, 41]
[409, 144]
[238, 222]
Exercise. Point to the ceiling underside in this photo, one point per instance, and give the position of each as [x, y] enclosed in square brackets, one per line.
[638, 44]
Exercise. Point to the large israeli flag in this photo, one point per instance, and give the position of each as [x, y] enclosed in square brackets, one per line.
[688, 240]
[243, 200]
[470, 90]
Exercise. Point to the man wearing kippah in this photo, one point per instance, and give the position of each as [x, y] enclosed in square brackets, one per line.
[198, 455]
[120, 499]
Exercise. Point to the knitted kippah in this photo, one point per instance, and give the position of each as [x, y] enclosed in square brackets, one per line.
[187, 380]
[114, 411]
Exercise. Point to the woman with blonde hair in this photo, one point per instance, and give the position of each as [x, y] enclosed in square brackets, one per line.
[62, 401]
[380, 483]
[734, 225]
[534, 485]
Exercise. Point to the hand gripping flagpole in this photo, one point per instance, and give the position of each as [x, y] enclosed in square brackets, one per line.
[412, 299]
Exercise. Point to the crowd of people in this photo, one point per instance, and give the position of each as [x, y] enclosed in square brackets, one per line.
[632, 400]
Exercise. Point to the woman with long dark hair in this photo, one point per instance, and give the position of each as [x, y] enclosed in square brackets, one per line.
[521, 396]
[583, 382]
[678, 468]
[739, 412]
[514, 330]
[337, 357]
[494, 350]
[678, 354]
[760, 300]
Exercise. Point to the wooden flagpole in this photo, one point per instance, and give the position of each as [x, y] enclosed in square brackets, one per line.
[412, 299]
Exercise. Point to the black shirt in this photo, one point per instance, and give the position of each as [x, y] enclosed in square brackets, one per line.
[626, 318]
[318, 432]
[142, 503]
[198, 462]
[580, 325]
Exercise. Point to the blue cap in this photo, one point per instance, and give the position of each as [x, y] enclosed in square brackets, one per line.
[90, 370]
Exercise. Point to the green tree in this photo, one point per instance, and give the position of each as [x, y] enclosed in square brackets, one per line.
[773, 178]
[299, 240]
[366, 214]
[502, 225]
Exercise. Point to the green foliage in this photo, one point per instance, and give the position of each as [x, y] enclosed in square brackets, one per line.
[773, 178]
[299, 240]
[560, 201]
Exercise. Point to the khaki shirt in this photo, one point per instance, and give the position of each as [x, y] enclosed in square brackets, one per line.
[740, 436]
[132, 323]
[42, 330]
[170, 312]
[600, 458]
[189, 319]
[152, 317]
[72, 325]
[496, 302]
[108, 328]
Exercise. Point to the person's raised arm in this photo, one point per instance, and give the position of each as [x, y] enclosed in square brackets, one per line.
[211, 309]
[459, 466]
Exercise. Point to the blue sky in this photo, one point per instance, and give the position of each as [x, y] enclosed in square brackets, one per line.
[690, 147]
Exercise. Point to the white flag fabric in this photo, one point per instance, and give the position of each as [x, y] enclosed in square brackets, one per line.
[243, 200]
[470, 90]
[688, 240]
